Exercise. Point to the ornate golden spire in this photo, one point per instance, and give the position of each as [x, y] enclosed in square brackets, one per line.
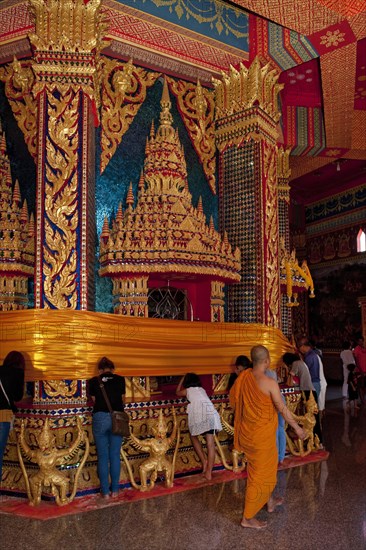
[16, 239]
[165, 233]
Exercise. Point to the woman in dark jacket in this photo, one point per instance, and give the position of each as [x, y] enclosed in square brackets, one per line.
[11, 390]
[108, 445]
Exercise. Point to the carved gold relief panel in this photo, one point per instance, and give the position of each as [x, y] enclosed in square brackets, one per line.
[197, 107]
[124, 88]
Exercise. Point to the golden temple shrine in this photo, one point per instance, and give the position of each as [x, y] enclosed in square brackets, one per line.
[170, 198]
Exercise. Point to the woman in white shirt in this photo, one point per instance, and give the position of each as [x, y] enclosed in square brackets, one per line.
[203, 419]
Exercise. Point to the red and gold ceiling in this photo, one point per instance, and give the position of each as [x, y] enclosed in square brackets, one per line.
[320, 47]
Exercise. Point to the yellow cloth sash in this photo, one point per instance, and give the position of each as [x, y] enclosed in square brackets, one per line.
[67, 344]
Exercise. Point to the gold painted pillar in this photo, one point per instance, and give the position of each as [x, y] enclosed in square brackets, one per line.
[283, 177]
[66, 47]
[246, 135]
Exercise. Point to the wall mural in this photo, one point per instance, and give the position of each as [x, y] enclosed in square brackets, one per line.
[334, 315]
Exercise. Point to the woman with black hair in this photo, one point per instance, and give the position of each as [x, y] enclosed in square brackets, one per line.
[108, 444]
[203, 419]
[242, 363]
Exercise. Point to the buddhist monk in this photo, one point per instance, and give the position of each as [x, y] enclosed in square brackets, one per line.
[256, 398]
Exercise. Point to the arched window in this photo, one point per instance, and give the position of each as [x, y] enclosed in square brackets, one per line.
[361, 241]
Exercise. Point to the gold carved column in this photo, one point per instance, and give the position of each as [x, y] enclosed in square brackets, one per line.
[54, 97]
[246, 135]
[66, 46]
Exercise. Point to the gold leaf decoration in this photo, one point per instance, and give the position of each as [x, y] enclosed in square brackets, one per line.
[196, 106]
[61, 201]
[19, 78]
[68, 25]
[243, 88]
[272, 242]
[124, 88]
[164, 233]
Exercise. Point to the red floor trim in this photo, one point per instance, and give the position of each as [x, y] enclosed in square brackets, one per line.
[49, 510]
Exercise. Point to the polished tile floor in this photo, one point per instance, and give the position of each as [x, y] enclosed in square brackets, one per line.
[325, 508]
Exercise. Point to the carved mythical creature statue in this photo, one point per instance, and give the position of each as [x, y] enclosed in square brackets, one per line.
[47, 456]
[157, 447]
[311, 443]
[229, 429]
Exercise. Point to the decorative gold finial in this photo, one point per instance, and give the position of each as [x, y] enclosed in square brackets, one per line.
[200, 206]
[130, 198]
[119, 215]
[105, 230]
[165, 130]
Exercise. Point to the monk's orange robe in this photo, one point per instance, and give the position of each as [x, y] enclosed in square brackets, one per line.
[255, 435]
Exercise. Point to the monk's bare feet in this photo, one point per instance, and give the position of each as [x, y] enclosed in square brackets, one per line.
[253, 523]
[273, 503]
[207, 475]
[204, 467]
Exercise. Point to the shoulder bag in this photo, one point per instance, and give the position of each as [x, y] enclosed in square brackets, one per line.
[120, 419]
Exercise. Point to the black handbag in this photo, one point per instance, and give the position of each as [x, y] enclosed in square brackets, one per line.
[120, 419]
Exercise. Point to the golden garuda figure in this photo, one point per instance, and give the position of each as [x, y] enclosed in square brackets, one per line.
[307, 421]
[47, 456]
[157, 447]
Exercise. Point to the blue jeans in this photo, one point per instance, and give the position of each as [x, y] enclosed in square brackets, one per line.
[4, 434]
[317, 388]
[281, 438]
[108, 447]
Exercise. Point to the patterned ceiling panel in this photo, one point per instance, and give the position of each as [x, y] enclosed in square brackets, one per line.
[303, 16]
[347, 8]
[302, 85]
[212, 18]
[320, 45]
[304, 130]
[150, 33]
[358, 25]
[15, 21]
[359, 131]
[360, 87]
[338, 70]
[334, 37]
[303, 165]
[284, 47]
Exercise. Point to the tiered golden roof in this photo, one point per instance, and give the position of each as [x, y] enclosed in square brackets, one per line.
[16, 229]
[164, 233]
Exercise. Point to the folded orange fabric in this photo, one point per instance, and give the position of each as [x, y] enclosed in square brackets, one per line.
[255, 435]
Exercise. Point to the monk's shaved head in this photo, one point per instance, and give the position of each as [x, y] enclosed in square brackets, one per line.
[258, 354]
